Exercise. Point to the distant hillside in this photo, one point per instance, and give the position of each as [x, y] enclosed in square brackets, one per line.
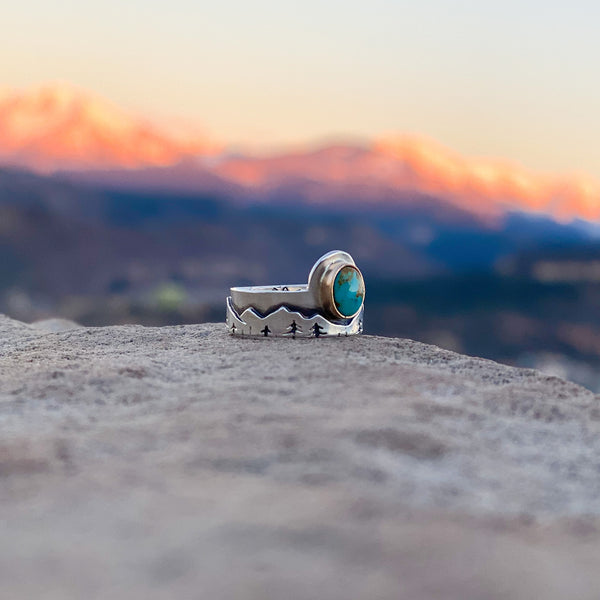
[65, 237]
[69, 238]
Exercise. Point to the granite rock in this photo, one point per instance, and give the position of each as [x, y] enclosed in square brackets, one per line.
[181, 462]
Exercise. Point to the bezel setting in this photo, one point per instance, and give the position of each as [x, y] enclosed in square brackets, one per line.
[327, 287]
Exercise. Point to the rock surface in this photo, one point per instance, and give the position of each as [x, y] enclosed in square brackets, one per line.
[179, 462]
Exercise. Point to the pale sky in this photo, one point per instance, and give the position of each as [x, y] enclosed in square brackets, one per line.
[512, 79]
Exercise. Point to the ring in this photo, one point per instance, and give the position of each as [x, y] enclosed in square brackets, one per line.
[330, 304]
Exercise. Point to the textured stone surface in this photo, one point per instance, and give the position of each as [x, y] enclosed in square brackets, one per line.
[183, 463]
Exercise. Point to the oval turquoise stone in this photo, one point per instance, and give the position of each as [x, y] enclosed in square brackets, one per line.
[348, 291]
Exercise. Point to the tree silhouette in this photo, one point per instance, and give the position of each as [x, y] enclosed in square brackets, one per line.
[266, 331]
[317, 329]
[293, 328]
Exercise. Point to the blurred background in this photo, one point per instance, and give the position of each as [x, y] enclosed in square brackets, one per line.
[154, 154]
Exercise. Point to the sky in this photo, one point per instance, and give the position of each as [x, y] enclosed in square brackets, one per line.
[517, 80]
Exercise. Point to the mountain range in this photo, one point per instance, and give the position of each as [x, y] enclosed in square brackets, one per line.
[62, 129]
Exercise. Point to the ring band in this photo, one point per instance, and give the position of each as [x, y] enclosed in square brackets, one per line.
[330, 304]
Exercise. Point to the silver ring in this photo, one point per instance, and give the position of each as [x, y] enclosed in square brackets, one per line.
[330, 304]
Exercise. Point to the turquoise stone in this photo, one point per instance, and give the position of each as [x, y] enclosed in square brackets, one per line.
[348, 291]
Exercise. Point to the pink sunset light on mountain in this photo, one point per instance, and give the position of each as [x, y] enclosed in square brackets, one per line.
[62, 128]
[388, 168]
